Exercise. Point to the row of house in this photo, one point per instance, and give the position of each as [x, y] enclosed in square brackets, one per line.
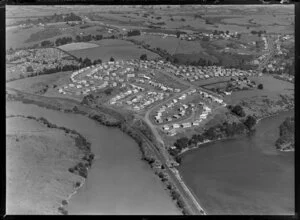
[171, 104]
[173, 128]
[200, 73]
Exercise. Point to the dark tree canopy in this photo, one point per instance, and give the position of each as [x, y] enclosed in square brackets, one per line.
[260, 86]
[181, 143]
[143, 57]
[250, 122]
[238, 110]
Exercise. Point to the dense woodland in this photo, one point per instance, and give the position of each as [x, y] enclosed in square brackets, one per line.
[286, 134]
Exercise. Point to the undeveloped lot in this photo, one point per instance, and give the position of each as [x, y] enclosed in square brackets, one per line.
[170, 44]
[118, 49]
[38, 159]
[78, 46]
[272, 88]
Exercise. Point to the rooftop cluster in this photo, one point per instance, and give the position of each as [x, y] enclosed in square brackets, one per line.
[26, 62]
[200, 73]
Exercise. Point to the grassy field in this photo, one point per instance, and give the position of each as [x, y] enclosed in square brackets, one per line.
[118, 49]
[272, 88]
[15, 38]
[170, 44]
[77, 46]
[44, 34]
[37, 83]
[38, 159]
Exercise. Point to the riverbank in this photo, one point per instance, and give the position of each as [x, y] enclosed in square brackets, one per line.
[46, 154]
[107, 120]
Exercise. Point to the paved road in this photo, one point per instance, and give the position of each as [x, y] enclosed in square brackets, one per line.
[270, 54]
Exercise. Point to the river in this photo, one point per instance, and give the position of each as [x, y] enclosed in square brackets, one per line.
[243, 176]
[119, 182]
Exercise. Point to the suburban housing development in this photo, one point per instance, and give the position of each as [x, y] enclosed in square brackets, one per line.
[97, 95]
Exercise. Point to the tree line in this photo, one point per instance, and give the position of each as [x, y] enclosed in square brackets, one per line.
[66, 40]
[219, 131]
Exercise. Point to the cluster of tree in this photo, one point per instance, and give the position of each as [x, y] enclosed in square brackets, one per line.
[286, 134]
[160, 23]
[259, 33]
[47, 43]
[72, 17]
[29, 69]
[78, 38]
[203, 62]
[133, 33]
[87, 62]
[217, 32]
[197, 16]
[213, 133]
[250, 122]
[86, 38]
[287, 127]
[237, 110]
[62, 210]
[143, 57]
[63, 40]
[46, 71]
[81, 169]
[108, 91]
[260, 86]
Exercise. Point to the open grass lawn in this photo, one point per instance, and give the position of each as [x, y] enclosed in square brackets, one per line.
[171, 44]
[118, 49]
[16, 37]
[43, 34]
[38, 159]
[77, 46]
[20, 38]
[33, 84]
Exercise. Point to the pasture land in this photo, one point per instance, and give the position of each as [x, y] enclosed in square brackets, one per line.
[16, 37]
[43, 34]
[77, 46]
[272, 88]
[38, 159]
[46, 85]
[118, 49]
[170, 44]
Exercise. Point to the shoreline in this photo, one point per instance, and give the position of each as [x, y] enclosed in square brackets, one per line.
[85, 147]
[236, 136]
[146, 156]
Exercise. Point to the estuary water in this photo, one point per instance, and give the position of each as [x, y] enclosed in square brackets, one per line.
[243, 176]
[119, 182]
